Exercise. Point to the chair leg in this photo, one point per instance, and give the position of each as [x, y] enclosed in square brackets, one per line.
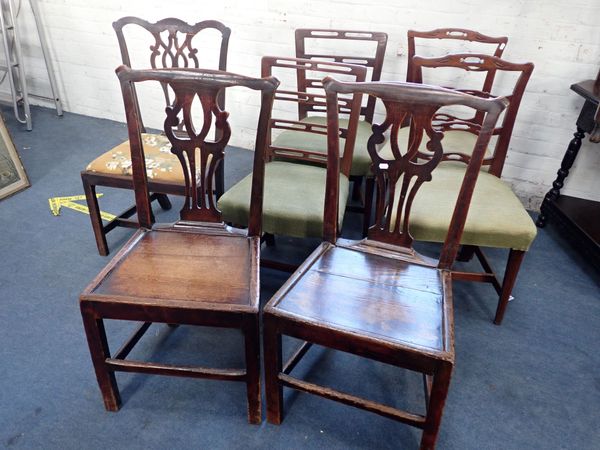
[356, 184]
[94, 208]
[515, 258]
[466, 253]
[369, 190]
[252, 344]
[435, 408]
[164, 201]
[269, 239]
[96, 337]
[220, 179]
[273, 366]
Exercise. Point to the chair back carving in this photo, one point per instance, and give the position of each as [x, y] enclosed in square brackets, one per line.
[497, 44]
[488, 64]
[199, 157]
[314, 101]
[172, 45]
[373, 61]
[399, 176]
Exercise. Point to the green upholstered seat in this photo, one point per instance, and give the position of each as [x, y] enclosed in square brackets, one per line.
[496, 216]
[293, 203]
[361, 161]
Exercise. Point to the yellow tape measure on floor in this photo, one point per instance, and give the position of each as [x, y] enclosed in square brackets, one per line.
[56, 203]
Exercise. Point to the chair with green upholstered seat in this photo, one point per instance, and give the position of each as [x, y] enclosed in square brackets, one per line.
[295, 175]
[497, 217]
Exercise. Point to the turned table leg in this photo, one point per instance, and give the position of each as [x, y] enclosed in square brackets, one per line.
[563, 172]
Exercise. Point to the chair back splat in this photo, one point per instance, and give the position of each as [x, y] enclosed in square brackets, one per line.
[174, 45]
[198, 156]
[398, 176]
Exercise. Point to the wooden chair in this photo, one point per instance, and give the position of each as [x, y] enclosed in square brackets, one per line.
[377, 298]
[497, 218]
[295, 175]
[197, 271]
[114, 168]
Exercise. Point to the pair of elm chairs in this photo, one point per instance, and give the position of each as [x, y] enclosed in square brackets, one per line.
[294, 197]
[376, 298]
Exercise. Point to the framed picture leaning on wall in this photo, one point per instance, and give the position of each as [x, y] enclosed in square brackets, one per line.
[12, 174]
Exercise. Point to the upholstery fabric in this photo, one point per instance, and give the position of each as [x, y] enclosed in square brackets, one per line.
[361, 161]
[496, 216]
[161, 164]
[294, 197]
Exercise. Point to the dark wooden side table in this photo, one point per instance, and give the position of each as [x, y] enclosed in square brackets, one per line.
[577, 218]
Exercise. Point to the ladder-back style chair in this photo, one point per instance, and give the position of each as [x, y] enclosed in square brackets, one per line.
[371, 58]
[198, 271]
[174, 43]
[377, 298]
[495, 45]
[497, 217]
[295, 176]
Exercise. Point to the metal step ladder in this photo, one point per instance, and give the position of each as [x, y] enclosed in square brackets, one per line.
[13, 68]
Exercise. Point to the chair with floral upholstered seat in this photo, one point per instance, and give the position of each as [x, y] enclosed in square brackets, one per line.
[113, 168]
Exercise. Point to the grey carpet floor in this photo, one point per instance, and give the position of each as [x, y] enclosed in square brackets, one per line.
[534, 382]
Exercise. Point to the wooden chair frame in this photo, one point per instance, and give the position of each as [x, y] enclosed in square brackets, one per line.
[388, 239]
[494, 164]
[173, 53]
[199, 217]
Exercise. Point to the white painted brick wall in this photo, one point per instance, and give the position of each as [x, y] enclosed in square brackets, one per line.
[562, 39]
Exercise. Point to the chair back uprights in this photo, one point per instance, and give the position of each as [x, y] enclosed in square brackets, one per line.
[315, 101]
[198, 156]
[372, 59]
[174, 44]
[399, 175]
[480, 63]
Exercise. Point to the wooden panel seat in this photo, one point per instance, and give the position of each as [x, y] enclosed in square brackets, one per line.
[184, 268]
[364, 294]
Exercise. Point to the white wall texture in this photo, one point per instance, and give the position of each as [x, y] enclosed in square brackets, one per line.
[562, 39]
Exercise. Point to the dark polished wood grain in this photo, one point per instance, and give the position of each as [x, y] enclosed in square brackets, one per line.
[378, 298]
[198, 271]
[173, 44]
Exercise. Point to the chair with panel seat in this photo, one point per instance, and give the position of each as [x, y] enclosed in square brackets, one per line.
[174, 43]
[377, 298]
[497, 218]
[295, 174]
[197, 271]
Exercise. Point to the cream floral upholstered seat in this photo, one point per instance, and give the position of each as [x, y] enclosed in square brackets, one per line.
[161, 164]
